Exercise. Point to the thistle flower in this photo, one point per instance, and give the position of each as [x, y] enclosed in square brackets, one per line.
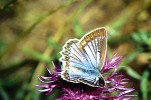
[113, 90]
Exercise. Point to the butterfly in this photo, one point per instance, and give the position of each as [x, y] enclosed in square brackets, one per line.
[82, 59]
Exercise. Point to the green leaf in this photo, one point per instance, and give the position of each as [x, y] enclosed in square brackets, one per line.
[21, 92]
[116, 25]
[3, 94]
[144, 37]
[136, 37]
[36, 55]
[119, 23]
[144, 84]
[78, 29]
[149, 41]
[130, 57]
[52, 43]
[37, 96]
[53, 95]
[132, 73]
[2, 47]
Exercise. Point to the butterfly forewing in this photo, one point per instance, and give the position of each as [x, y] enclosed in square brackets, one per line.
[94, 44]
[83, 59]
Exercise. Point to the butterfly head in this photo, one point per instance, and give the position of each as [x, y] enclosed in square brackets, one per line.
[101, 82]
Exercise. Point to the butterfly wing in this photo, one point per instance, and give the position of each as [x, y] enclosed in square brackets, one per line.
[73, 60]
[83, 58]
[72, 55]
[77, 76]
[94, 45]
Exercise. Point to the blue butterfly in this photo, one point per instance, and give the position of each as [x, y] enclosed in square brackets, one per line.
[83, 59]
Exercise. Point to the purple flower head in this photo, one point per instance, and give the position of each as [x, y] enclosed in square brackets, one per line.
[113, 90]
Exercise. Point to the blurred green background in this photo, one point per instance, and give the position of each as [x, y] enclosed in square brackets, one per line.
[32, 33]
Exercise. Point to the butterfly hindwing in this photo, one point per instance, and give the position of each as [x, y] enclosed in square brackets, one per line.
[77, 76]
